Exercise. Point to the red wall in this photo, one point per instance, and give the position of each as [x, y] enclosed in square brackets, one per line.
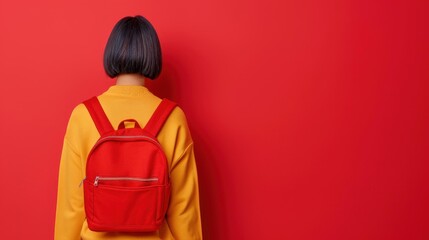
[310, 117]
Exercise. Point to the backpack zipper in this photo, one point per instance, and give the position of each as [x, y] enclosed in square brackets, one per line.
[98, 178]
[136, 136]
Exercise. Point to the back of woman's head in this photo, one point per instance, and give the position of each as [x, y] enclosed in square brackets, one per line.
[133, 47]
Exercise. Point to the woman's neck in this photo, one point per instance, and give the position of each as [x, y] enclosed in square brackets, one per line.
[130, 79]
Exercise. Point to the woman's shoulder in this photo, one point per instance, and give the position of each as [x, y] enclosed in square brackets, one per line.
[176, 128]
[79, 113]
[178, 115]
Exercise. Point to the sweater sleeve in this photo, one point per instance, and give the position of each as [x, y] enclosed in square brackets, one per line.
[70, 209]
[183, 215]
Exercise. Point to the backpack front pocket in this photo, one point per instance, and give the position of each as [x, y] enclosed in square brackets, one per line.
[125, 207]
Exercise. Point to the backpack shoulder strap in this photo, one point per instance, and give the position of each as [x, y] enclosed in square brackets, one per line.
[159, 117]
[98, 115]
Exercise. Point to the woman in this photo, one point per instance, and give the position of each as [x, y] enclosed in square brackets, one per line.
[132, 55]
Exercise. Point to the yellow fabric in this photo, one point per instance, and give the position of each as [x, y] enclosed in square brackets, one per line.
[123, 102]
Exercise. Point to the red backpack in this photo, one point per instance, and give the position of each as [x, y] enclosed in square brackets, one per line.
[127, 183]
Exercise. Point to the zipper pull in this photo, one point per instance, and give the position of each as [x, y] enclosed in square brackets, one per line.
[96, 181]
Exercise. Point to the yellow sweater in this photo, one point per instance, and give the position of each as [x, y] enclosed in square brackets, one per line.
[123, 102]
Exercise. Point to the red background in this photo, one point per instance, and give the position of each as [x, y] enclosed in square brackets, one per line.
[310, 117]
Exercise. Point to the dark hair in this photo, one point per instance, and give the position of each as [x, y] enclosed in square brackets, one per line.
[133, 47]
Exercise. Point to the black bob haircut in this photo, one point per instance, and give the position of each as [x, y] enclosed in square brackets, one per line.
[133, 47]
